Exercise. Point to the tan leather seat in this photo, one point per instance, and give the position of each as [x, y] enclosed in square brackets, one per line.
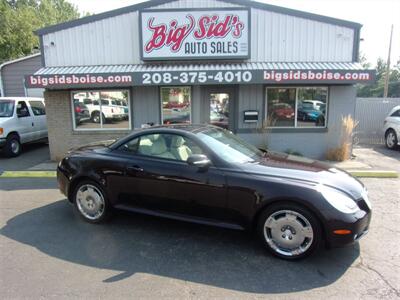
[159, 147]
[179, 149]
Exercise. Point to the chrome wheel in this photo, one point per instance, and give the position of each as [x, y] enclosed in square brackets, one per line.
[288, 232]
[390, 139]
[15, 146]
[90, 202]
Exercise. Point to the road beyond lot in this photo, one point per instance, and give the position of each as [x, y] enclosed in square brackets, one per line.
[46, 251]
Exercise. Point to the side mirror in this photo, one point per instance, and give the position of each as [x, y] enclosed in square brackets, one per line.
[198, 160]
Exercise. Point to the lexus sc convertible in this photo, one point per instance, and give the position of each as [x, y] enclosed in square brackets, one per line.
[207, 175]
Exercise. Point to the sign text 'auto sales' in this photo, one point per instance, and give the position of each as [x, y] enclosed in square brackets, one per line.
[195, 34]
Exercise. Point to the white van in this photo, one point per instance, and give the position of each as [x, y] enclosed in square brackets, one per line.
[22, 120]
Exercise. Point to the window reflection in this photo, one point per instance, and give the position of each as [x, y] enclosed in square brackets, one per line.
[219, 110]
[297, 107]
[311, 107]
[101, 110]
[281, 107]
[176, 105]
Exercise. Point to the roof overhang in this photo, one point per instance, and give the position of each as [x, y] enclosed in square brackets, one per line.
[111, 76]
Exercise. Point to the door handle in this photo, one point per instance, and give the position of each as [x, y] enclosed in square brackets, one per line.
[135, 169]
[33, 124]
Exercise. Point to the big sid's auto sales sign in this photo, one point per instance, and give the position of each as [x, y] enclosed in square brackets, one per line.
[195, 34]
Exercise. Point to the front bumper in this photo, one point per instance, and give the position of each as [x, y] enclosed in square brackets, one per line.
[357, 223]
[63, 182]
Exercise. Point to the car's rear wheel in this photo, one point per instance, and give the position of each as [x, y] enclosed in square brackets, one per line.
[91, 202]
[391, 139]
[289, 231]
[13, 146]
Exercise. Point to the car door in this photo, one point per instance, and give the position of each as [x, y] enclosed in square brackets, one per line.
[158, 178]
[25, 125]
[39, 118]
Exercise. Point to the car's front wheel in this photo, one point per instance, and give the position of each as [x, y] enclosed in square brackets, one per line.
[91, 202]
[391, 139]
[13, 146]
[289, 231]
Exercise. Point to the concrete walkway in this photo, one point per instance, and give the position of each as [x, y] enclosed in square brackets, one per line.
[372, 158]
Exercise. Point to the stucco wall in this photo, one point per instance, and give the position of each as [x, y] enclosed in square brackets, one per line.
[145, 107]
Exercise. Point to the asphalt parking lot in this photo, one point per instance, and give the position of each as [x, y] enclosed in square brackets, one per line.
[32, 155]
[46, 251]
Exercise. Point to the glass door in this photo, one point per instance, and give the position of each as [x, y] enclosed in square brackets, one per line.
[220, 109]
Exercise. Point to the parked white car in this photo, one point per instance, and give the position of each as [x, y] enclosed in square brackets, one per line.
[391, 128]
[22, 120]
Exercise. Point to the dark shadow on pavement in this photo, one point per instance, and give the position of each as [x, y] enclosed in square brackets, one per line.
[32, 155]
[387, 152]
[17, 184]
[132, 243]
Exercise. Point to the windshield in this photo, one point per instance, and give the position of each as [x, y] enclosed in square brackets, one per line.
[229, 147]
[6, 108]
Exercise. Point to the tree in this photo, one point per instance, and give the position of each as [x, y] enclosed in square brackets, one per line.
[20, 18]
[376, 89]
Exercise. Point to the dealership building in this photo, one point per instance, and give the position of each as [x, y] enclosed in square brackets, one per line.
[277, 77]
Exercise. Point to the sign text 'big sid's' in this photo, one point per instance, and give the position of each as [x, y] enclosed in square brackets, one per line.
[195, 34]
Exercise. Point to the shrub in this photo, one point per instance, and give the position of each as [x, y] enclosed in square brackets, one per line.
[343, 152]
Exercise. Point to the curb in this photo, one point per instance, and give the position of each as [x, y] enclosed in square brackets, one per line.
[28, 174]
[373, 174]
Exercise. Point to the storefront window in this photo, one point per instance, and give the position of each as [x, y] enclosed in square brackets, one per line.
[311, 107]
[281, 107]
[297, 107]
[176, 105]
[101, 110]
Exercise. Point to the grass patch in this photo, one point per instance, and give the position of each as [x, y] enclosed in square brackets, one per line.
[375, 174]
[28, 174]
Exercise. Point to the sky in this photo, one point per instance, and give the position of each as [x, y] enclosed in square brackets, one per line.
[375, 15]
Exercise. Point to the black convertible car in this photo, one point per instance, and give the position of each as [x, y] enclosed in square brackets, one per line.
[207, 175]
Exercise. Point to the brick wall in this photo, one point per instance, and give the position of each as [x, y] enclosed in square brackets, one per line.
[62, 137]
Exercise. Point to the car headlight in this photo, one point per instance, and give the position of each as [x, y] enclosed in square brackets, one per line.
[364, 195]
[339, 200]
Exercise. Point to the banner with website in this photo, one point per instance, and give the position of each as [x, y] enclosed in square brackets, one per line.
[195, 34]
[200, 77]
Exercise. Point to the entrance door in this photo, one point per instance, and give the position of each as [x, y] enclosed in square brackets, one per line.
[220, 106]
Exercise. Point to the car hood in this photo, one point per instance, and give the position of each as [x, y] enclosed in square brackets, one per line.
[3, 120]
[93, 146]
[297, 168]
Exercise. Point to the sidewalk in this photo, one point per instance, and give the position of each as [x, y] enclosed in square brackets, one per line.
[376, 160]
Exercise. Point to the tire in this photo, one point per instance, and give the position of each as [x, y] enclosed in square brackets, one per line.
[391, 139]
[92, 203]
[95, 117]
[289, 231]
[12, 147]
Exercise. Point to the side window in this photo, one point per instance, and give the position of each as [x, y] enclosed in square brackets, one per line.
[38, 108]
[131, 146]
[22, 110]
[396, 113]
